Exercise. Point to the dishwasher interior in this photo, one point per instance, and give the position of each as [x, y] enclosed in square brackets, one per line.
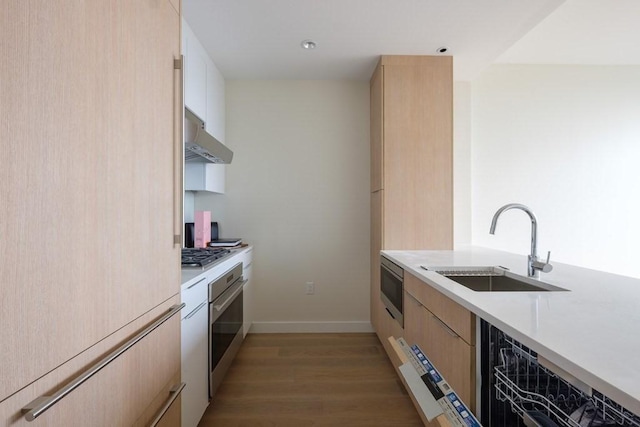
[517, 390]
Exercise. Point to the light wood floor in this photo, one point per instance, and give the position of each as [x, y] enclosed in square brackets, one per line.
[301, 380]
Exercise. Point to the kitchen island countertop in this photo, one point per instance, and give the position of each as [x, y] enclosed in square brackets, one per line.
[591, 331]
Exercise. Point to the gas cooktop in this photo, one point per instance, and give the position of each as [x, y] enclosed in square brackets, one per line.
[202, 257]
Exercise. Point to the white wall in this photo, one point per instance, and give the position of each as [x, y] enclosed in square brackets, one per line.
[564, 140]
[298, 190]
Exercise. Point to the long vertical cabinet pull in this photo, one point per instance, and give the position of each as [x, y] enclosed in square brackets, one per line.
[41, 404]
[173, 395]
[178, 151]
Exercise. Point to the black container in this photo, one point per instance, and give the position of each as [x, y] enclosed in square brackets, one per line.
[189, 232]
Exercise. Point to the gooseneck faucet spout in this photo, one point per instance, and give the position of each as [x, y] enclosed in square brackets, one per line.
[534, 266]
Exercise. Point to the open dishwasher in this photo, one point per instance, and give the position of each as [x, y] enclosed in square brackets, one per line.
[519, 388]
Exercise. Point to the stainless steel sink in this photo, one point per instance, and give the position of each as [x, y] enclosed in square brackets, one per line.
[493, 279]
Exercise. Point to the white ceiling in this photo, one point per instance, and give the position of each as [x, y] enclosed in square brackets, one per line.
[590, 32]
[260, 39]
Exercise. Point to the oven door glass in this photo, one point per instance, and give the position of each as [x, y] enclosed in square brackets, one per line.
[224, 329]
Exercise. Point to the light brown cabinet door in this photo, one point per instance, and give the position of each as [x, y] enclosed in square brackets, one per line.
[88, 138]
[451, 355]
[414, 321]
[376, 246]
[418, 152]
[166, 408]
[172, 417]
[387, 327]
[458, 318]
[448, 351]
[411, 174]
[127, 392]
[411, 159]
[377, 129]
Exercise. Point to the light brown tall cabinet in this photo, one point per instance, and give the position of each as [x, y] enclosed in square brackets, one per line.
[411, 164]
[90, 147]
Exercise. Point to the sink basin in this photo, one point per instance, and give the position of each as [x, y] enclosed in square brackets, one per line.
[493, 279]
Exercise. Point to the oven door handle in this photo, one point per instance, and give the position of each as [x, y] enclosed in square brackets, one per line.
[234, 294]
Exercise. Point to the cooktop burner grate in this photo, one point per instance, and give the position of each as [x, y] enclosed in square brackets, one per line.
[201, 257]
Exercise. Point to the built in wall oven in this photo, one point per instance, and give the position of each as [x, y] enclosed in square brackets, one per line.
[225, 324]
[392, 288]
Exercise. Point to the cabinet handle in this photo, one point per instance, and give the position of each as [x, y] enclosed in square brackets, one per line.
[178, 152]
[173, 395]
[220, 307]
[446, 327]
[41, 404]
[415, 299]
[390, 313]
[440, 322]
[204, 278]
[195, 310]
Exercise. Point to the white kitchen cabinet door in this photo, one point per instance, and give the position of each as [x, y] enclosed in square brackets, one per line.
[204, 177]
[195, 80]
[247, 309]
[205, 96]
[247, 291]
[195, 364]
[215, 119]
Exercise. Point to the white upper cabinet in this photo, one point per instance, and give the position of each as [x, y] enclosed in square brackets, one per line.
[204, 95]
[195, 79]
[204, 177]
[215, 118]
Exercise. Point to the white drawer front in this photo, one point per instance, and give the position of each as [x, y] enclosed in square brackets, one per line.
[194, 293]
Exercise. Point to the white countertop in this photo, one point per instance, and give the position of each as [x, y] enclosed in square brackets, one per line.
[191, 275]
[592, 332]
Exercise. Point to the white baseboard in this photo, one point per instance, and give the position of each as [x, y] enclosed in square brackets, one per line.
[309, 327]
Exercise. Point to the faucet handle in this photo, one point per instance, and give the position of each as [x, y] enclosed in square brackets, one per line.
[545, 267]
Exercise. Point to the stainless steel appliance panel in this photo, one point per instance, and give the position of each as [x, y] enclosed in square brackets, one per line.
[226, 314]
[392, 289]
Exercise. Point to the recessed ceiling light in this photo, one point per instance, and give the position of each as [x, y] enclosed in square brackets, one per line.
[308, 44]
[442, 49]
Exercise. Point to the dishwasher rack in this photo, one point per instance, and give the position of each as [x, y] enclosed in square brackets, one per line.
[531, 389]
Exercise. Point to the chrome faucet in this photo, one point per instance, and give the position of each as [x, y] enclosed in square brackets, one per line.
[534, 265]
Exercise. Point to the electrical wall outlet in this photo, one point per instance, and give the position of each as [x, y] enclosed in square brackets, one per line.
[309, 288]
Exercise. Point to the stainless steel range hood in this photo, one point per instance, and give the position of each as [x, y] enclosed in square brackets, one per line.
[199, 145]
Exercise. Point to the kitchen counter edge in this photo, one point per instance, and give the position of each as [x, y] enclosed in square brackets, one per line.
[190, 276]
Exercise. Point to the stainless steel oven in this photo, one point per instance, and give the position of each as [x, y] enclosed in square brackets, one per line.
[392, 289]
[225, 324]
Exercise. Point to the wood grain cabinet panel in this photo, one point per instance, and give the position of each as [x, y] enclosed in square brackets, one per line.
[458, 318]
[172, 417]
[417, 150]
[88, 101]
[377, 129]
[445, 331]
[387, 327]
[411, 161]
[128, 392]
[376, 246]
[414, 321]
